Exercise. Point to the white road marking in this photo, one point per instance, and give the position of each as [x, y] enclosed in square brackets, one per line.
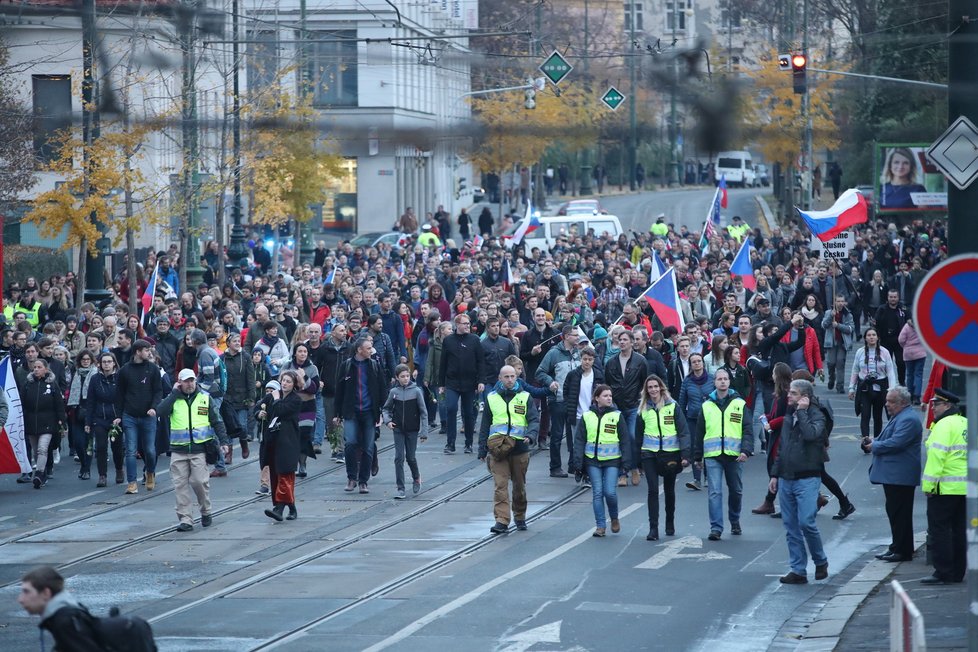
[672, 551]
[477, 592]
[522, 641]
[70, 500]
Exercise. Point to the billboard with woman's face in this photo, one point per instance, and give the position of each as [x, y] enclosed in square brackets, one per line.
[907, 181]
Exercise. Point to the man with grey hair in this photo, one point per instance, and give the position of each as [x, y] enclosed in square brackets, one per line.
[896, 466]
[798, 471]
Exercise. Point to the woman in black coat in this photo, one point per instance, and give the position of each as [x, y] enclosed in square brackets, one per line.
[278, 412]
[44, 413]
[100, 394]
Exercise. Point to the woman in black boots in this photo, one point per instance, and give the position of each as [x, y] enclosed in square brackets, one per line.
[662, 443]
[278, 413]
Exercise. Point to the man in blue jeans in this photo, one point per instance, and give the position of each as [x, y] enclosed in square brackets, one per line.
[796, 475]
[462, 367]
[139, 390]
[724, 439]
[360, 393]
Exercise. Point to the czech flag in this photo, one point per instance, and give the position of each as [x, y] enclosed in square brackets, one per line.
[658, 268]
[591, 299]
[723, 194]
[13, 446]
[741, 266]
[663, 297]
[331, 276]
[529, 224]
[509, 278]
[147, 299]
[848, 210]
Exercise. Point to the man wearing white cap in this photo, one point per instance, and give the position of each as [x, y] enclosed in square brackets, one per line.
[194, 424]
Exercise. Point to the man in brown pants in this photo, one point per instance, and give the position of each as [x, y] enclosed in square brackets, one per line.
[510, 425]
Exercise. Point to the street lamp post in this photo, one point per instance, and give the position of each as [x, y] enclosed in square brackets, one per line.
[237, 249]
[584, 189]
[632, 137]
[674, 167]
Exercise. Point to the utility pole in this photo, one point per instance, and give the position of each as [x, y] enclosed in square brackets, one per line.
[190, 272]
[584, 190]
[94, 266]
[674, 163]
[632, 130]
[237, 249]
[962, 238]
[303, 247]
[806, 106]
[539, 196]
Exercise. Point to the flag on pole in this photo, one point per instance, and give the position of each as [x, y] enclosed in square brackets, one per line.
[663, 298]
[742, 266]
[591, 299]
[723, 191]
[658, 268]
[331, 276]
[509, 277]
[146, 301]
[583, 337]
[478, 241]
[13, 448]
[712, 221]
[529, 224]
[848, 210]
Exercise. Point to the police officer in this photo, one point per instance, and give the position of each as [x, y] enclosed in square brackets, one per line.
[508, 414]
[724, 440]
[194, 423]
[944, 482]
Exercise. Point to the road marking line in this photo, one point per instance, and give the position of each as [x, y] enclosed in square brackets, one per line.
[5, 518]
[477, 592]
[70, 500]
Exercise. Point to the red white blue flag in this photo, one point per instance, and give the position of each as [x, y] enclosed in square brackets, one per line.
[529, 224]
[742, 266]
[13, 448]
[723, 194]
[663, 298]
[848, 210]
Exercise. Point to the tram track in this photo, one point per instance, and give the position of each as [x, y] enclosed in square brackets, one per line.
[143, 538]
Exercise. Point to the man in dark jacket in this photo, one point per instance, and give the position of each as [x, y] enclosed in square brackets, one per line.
[551, 373]
[139, 391]
[240, 387]
[535, 344]
[42, 593]
[625, 373]
[384, 351]
[360, 392]
[495, 349]
[393, 327]
[462, 368]
[579, 387]
[167, 345]
[329, 357]
[890, 318]
[654, 359]
[796, 475]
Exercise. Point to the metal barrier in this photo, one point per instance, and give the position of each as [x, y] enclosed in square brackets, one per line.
[906, 622]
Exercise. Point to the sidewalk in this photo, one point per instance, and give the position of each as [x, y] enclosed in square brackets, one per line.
[854, 614]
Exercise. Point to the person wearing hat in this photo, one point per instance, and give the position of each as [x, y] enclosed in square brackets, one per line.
[659, 229]
[139, 389]
[194, 424]
[944, 483]
[762, 306]
[428, 238]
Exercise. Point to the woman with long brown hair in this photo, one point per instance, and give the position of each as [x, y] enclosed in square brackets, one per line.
[771, 422]
[278, 412]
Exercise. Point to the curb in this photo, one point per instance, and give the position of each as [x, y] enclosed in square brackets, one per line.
[767, 216]
[824, 631]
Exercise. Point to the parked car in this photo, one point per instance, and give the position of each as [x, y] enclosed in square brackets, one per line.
[394, 239]
[581, 207]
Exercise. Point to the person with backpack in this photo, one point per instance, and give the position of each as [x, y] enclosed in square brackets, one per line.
[74, 628]
[796, 476]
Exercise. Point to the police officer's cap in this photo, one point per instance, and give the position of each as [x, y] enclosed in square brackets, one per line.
[944, 395]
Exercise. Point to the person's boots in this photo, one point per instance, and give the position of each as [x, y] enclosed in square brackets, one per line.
[150, 481]
[293, 513]
[101, 481]
[119, 477]
[40, 478]
[670, 527]
[276, 512]
[653, 534]
[767, 507]
[229, 456]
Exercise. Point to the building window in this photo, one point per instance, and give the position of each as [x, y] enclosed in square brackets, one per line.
[332, 68]
[262, 60]
[340, 209]
[52, 113]
[676, 14]
[633, 8]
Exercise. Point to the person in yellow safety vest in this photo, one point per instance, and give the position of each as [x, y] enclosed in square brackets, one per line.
[509, 417]
[602, 447]
[738, 230]
[724, 439]
[945, 480]
[194, 424]
[662, 446]
[428, 238]
[659, 229]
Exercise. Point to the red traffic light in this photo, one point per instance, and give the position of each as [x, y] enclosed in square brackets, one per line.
[799, 61]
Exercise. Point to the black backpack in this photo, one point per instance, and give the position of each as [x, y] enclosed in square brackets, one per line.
[118, 633]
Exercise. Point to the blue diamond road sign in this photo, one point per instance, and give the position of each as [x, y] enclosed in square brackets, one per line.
[555, 67]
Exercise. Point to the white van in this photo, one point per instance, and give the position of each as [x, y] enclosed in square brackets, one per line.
[737, 167]
[553, 226]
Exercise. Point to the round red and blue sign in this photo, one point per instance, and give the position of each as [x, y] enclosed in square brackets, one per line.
[946, 312]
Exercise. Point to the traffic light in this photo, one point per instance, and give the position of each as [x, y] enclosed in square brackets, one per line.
[799, 65]
[531, 95]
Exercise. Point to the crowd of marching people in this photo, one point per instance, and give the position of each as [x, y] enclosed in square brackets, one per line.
[307, 362]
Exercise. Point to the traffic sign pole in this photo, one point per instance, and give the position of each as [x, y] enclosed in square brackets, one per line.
[971, 396]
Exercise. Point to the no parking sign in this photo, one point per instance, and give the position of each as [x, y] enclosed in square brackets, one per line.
[946, 312]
